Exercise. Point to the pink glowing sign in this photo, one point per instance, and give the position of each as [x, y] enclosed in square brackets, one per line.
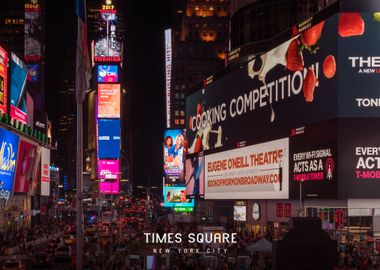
[108, 173]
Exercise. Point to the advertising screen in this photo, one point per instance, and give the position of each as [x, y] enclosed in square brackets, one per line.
[240, 213]
[108, 173]
[8, 157]
[168, 74]
[195, 176]
[33, 30]
[283, 88]
[108, 100]
[108, 50]
[108, 138]
[3, 80]
[108, 74]
[45, 172]
[313, 161]
[259, 171]
[176, 197]
[174, 148]
[26, 158]
[32, 72]
[18, 89]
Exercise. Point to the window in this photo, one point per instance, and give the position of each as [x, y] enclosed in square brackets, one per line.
[182, 113]
[176, 121]
[176, 113]
[182, 121]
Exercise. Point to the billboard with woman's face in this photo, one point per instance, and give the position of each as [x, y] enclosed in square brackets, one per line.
[174, 148]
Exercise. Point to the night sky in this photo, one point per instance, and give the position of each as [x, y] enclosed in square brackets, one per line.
[146, 22]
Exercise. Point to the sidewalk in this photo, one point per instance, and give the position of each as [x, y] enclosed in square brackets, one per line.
[14, 250]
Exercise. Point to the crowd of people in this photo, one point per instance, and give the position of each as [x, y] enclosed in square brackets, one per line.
[355, 256]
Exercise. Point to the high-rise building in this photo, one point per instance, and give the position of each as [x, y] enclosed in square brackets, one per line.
[199, 44]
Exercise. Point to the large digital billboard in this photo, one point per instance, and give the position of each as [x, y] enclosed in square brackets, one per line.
[33, 30]
[108, 173]
[176, 197]
[45, 172]
[168, 75]
[8, 157]
[18, 89]
[108, 100]
[259, 171]
[107, 73]
[292, 85]
[27, 152]
[174, 148]
[195, 176]
[3, 80]
[108, 138]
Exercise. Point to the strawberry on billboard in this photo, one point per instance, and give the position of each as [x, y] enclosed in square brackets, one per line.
[293, 84]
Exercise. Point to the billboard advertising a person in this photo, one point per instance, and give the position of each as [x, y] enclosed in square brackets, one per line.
[45, 172]
[108, 138]
[108, 173]
[314, 161]
[3, 80]
[195, 176]
[8, 157]
[18, 89]
[259, 171]
[174, 148]
[26, 158]
[293, 84]
[176, 197]
[107, 73]
[108, 100]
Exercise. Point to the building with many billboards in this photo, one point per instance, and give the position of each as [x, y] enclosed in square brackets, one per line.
[291, 130]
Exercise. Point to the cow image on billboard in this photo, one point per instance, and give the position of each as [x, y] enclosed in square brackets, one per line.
[195, 176]
[108, 100]
[45, 172]
[108, 173]
[26, 158]
[174, 148]
[259, 171]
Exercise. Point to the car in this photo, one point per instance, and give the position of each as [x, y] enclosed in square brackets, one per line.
[40, 260]
[12, 265]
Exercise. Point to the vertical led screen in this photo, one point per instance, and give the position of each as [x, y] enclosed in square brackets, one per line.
[108, 74]
[25, 162]
[18, 89]
[195, 176]
[45, 172]
[3, 80]
[108, 100]
[108, 138]
[174, 148]
[8, 157]
[168, 74]
[33, 30]
[108, 173]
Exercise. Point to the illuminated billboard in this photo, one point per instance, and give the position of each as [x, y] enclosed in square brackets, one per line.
[108, 138]
[3, 80]
[168, 74]
[176, 197]
[174, 148]
[32, 72]
[8, 157]
[108, 173]
[108, 74]
[108, 49]
[259, 171]
[26, 158]
[240, 213]
[33, 30]
[108, 100]
[195, 176]
[18, 89]
[45, 172]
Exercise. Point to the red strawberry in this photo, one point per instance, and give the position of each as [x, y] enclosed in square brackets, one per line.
[350, 24]
[309, 85]
[329, 67]
[294, 58]
[310, 36]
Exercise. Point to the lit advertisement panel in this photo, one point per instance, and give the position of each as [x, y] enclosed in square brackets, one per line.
[45, 172]
[174, 149]
[3, 80]
[108, 173]
[108, 138]
[168, 74]
[32, 72]
[195, 176]
[8, 157]
[26, 157]
[240, 213]
[108, 50]
[108, 74]
[18, 89]
[274, 92]
[33, 29]
[259, 171]
[108, 100]
[176, 197]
